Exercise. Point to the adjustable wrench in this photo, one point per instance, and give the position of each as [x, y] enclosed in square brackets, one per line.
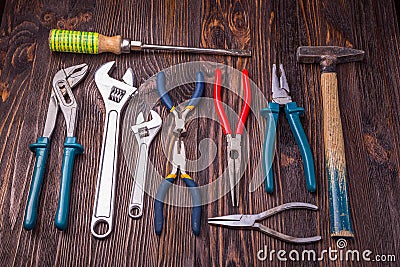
[144, 131]
[115, 95]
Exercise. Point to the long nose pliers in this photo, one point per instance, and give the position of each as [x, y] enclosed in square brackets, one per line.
[281, 98]
[180, 117]
[178, 165]
[234, 146]
[61, 98]
[178, 156]
[250, 221]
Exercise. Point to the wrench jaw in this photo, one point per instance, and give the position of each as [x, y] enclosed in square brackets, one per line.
[145, 131]
[115, 93]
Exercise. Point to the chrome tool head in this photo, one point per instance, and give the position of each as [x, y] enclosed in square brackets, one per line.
[180, 122]
[63, 82]
[328, 56]
[280, 87]
[145, 131]
[178, 157]
[115, 93]
[236, 220]
[234, 163]
[71, 75]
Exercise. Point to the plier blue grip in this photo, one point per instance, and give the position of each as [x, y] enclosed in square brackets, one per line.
[281, 97]
[179, 165]
[166, 99]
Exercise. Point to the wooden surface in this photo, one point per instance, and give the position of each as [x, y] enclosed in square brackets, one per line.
[369, 99]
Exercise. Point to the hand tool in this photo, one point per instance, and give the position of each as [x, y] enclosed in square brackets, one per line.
[115, 95]
[63, 98]
[178, 163]
[335, 161]
[281, 98]
[95, 43]
[144, 131]
[180, 118]
[178, 156]
[234, 146]
[250, 222]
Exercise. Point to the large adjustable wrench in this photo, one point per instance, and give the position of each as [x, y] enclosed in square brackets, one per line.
[115, 95]
[144, 131]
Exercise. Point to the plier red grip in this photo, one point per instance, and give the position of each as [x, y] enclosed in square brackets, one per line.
[234, 142]
[218, 103]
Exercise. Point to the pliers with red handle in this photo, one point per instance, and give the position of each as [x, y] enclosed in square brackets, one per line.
[233, 142]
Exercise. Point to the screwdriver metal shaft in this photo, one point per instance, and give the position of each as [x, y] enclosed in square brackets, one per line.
[95, 43]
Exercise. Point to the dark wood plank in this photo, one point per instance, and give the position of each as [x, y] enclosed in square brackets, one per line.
[369, 101]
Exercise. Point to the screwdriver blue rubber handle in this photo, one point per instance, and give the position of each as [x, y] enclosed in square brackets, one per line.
[198, 91]
[162, 92]
[292, 114]
[40, 148]
[159, 205]
[271, 114]
[71, 149]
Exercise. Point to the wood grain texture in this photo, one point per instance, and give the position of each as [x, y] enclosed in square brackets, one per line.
[369, 100]
[335, 159]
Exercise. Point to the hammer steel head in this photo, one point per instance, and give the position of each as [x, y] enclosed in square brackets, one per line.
[332, 54]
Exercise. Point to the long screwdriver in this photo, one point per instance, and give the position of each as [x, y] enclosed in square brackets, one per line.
[95, 43]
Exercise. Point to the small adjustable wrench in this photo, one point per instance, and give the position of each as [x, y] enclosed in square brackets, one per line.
[144, 133]
[115, 95]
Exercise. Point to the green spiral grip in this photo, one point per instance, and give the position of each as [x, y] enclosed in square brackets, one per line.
[74, 41]
[292, 114]
[271, 114]
[40, 148]
[71, 149]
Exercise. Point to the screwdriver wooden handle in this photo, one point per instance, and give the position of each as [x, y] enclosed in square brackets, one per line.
[335, 160]
[83, 42]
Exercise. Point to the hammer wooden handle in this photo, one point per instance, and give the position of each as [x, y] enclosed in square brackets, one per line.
[83, 42]
[340, 219]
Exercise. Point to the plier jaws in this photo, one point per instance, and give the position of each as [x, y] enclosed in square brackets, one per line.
[250, 222]
[234, 148]
[73, 75]
[63, 82]
[178, 164]
[180, 117]
[178, 158]
[280, 87]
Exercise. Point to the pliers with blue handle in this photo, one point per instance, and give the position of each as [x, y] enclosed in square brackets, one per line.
[281, 98]
[180, 121]
[63, 98]
[178, 157]
[178, 164]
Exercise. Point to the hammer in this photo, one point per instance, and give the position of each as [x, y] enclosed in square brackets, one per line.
[335, 161]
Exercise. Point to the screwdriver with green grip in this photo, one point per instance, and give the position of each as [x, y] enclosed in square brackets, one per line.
[95, 43]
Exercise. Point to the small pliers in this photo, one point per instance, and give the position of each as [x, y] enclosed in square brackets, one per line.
[234, 146]
[281, 98]
[250, 222]
[180, 119]
[178, 164]
[63, 98]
